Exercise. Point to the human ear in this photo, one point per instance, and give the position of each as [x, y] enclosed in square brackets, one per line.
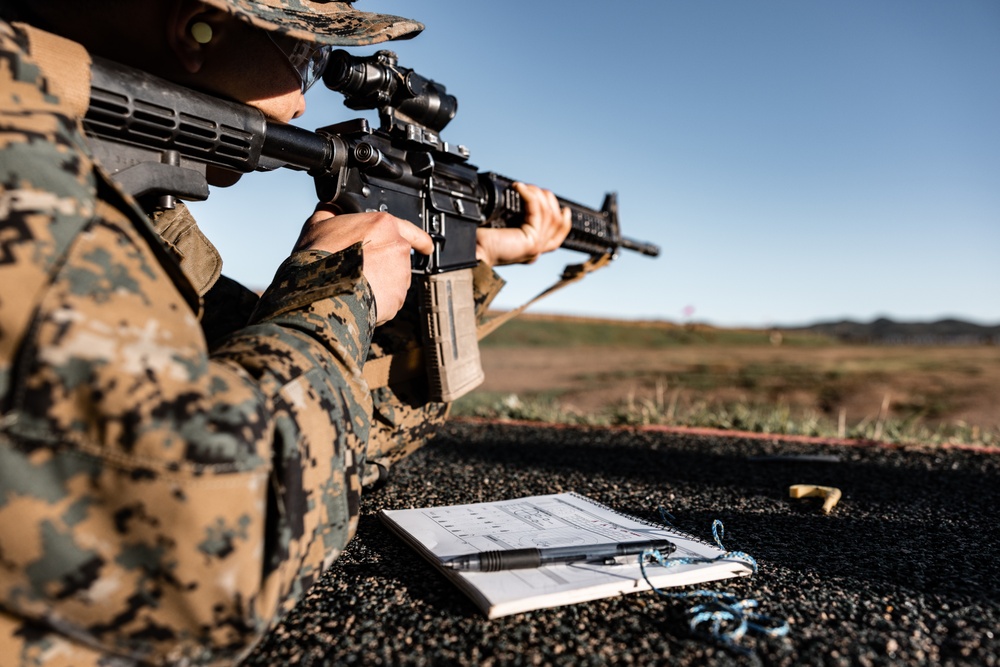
[192, 31]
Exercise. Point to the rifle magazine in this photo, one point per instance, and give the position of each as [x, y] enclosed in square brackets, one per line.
[450, 340]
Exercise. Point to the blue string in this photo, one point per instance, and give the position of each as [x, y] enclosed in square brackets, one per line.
[723, 617]
[665, 516]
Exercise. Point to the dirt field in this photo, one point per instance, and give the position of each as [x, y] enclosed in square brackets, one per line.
[932, 384]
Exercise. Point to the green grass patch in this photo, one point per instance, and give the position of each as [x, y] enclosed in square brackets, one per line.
[544, 332]
[757, 418]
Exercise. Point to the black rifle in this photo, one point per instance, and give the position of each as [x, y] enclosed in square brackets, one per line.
[158, 139]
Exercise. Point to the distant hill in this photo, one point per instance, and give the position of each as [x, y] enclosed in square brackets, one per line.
[886, 331]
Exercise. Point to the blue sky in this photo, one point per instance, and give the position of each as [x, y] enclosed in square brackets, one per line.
[796, 160]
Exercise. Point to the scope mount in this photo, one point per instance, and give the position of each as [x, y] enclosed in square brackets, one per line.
[410, 107]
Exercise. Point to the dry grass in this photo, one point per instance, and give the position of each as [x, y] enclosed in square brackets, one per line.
[740, 380]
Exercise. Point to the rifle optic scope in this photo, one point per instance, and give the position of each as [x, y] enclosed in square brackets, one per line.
[377, 82]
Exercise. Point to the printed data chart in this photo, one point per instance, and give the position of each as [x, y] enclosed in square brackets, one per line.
[543, 523]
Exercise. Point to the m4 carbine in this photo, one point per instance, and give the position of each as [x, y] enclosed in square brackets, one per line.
[158, 139]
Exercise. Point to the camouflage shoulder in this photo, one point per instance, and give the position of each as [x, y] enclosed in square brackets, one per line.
[47, 188]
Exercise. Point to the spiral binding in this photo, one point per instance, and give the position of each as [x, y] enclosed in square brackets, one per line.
[666, 526]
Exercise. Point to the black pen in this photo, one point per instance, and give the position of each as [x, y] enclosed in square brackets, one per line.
[512, 559]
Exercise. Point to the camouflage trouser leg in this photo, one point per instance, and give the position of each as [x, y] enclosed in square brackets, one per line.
[404, 418]
[401, 427]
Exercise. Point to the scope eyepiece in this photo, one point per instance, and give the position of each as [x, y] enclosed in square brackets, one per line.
[365, 82]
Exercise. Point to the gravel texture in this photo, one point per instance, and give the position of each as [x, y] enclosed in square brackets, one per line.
[903, 571]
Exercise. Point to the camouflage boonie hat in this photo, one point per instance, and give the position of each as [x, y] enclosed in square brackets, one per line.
[328, 22]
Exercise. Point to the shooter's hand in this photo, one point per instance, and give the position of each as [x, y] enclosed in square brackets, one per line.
[545, 227]
[387, 242]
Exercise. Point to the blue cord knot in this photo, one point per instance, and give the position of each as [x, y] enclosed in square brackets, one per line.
[723, 617]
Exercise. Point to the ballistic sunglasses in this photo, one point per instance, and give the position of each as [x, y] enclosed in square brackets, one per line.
[306, 59]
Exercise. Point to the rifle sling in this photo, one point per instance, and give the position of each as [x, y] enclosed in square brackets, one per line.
[571, 274]
[409, 364]
[65, 64]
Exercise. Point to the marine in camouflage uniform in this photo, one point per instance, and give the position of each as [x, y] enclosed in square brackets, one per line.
[179, 461]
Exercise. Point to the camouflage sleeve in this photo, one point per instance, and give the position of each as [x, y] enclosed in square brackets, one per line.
[157, 503]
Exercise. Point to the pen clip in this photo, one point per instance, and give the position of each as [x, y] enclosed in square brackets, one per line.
[613, 560]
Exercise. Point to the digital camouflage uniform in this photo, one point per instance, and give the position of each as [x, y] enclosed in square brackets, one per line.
[167, 491]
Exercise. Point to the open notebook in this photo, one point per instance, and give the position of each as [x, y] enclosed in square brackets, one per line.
[564, 519]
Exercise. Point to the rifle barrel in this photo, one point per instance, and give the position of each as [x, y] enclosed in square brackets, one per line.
[650, 249]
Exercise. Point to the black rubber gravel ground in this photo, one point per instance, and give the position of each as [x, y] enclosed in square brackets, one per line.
[903, 571]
